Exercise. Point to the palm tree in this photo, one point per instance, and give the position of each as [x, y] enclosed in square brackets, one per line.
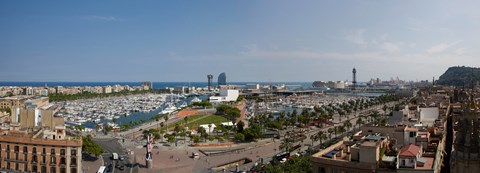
[177, 131]
[286, 144]
[166, 121]
[330, 131]
[203, 133]
[321, 136]
[209, 128]
[97, 127]
[313, 138]
[341, 129]
[335, 130]
[186, 120]
[347, 124]
[360, 122]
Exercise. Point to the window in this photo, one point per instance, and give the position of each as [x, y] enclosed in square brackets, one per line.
[25, 167]
[34, 150]
[34, 158]
[63, 161]
[53, 170]
[74, 152]
[8, 165]
[25, 149]
[321, 170]
[44, 150]
[413, 134]
[62, 152]
[63, 170]
[44, 159]
[73, 170]
[53, 160]
[44, 169]
[34, 168]
[16, 149]
[73, 161]
[8, 148]
[52, 151]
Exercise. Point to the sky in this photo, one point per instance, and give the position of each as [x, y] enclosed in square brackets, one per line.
[263, 41]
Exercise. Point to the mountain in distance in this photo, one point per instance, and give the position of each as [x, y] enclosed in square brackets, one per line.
[460, 76]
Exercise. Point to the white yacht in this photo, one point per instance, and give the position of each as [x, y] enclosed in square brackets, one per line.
[196, 99]
[169, 109]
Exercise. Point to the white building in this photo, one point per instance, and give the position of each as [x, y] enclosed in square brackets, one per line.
[339, 85]
[252, 86]
[226, 95]
[208, 129]
[428, 115]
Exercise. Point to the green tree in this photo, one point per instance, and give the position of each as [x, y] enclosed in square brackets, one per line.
[203, 133]
[286, 144]
[300, 164]
[240, 126]
[240, 137]
[90, 147]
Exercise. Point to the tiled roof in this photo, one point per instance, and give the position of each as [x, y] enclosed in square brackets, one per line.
[410, 150]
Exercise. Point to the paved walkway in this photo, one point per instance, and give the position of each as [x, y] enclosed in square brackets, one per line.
[92, 166]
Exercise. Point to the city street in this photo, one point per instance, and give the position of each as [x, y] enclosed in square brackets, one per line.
[112, 146]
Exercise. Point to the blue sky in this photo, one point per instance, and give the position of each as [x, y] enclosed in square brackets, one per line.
[263, 41]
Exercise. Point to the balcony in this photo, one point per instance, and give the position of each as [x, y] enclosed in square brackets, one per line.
[15, 160]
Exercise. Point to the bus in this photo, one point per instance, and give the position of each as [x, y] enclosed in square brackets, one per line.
[102, 169]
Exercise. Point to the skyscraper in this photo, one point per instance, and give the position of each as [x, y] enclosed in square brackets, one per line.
[222, 79]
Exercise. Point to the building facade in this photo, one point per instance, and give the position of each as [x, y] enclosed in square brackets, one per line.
[20, 152]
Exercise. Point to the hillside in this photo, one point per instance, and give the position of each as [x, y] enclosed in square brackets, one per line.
[459, 76]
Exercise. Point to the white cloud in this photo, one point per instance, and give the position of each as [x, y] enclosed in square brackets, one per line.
[461, 51]
[356, 37]
[441, 47]
[390, 47]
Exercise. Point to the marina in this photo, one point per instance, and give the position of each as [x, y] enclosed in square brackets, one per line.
[124, 109]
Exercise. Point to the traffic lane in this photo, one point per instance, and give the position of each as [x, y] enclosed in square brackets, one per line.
[116, 164]
[110, 145]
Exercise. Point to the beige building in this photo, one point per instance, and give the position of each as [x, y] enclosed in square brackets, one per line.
[20, 101]
[383, 149]
[32, 152]
[107, 89]
[35, 141]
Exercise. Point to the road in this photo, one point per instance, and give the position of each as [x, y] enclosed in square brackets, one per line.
[110, 146]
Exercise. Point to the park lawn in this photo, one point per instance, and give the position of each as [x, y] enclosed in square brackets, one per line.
[212, 119]
[182, 122]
